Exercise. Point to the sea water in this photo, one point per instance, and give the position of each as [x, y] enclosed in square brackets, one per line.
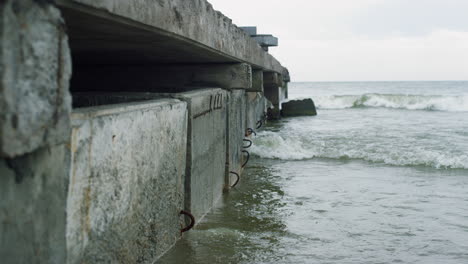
[380, 175]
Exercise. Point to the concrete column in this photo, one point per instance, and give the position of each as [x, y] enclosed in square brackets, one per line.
[34, 131]
[236, 131]
[206, 148]
[272, 83]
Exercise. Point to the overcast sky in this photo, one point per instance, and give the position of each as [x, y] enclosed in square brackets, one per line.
[358, 40]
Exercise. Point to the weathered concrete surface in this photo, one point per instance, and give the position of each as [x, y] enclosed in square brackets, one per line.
[206, 149]
[32, 206]
[34, 72]
[251, 31]
[266, 41]
[256, 108]
[236, 130]
[127, 181]
[163, 31]
[272, 83]
[304, 107]
[171, 78]
[257, 82]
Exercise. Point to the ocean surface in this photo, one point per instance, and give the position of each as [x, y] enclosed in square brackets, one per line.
[380, 175]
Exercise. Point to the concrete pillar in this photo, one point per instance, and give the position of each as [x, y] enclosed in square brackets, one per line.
[206, 148]
[236, 131]
[34, 132]
[272, 83]
[169, 78]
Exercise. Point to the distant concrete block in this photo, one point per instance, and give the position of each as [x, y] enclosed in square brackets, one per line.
[127, 181]
[251, 31]
[304, 107]
[35, 69]
[266, 40]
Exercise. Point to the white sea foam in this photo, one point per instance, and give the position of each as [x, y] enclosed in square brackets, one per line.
[398, 101]
[298, 147]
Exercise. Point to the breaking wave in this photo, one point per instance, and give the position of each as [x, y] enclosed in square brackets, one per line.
[396, 101]
[273, 145]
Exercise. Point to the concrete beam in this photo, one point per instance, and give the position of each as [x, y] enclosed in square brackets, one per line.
[164, 31]
[35, 69]
[127, 181]
[169, 78]
[257, 82]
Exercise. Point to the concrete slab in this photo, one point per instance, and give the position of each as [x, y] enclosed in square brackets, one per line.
[32, 206]
[35, 69]
[127, 181]
[163, 31]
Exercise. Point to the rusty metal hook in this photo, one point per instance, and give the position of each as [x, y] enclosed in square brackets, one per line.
[249, 131]
[259, 124]
[248, 157]
[192, 221]
[238, 179]
[247, 140]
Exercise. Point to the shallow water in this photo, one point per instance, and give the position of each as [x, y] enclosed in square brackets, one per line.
[383, 179]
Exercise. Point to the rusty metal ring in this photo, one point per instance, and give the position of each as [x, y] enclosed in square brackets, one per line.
[249, 131]
[192, 221]
[259, 124]
[247, 140]
[238, 179]
[248, 157]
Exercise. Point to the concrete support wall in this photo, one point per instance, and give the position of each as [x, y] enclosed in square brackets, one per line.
[206, 148]
[126, 181]
[256, 107]
[34, 132]
[236, 130]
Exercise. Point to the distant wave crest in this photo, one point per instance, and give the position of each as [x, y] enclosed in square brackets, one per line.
[396, 101]
[273, 145]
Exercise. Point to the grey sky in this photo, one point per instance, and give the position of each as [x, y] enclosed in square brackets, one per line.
[340, 40]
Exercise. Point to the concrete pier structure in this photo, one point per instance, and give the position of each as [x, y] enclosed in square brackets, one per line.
[114, 117]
